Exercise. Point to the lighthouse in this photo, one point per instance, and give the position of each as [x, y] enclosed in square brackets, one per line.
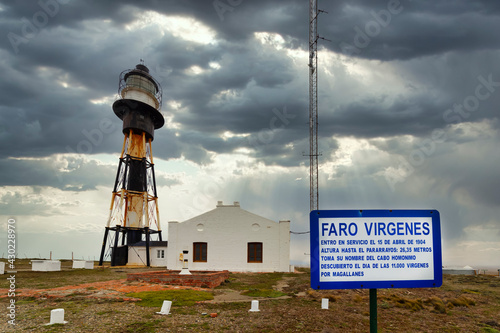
[133, 215]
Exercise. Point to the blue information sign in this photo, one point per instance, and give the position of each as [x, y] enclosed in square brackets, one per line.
[371, 249]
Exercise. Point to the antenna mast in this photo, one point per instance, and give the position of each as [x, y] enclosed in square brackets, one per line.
[313, 104]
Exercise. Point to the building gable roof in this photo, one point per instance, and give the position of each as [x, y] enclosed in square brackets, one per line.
[230, 212]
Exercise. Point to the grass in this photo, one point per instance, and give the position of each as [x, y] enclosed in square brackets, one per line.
[407, 303]
[262, 284]
[270, 293]
[245, 281]
[178, 297]
[203, 326]
[460, 301]
[26, 300]
[463, 304]
[470, 291]
[143, 326]
[437, 304]
[490, 330]
[25, 278]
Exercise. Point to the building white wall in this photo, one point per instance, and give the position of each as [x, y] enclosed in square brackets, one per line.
[155, 260]
[137, 256]
[227, 230]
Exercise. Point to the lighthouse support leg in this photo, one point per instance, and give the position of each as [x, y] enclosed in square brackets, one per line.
[114, 253]
[101, 258]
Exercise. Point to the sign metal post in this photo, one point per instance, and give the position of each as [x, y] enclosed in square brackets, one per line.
[373, 310]
[373, 249]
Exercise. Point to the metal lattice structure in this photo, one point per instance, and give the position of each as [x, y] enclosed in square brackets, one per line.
[313, 104]
[125, 175]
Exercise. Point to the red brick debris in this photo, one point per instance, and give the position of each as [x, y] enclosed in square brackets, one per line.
[202, 279]
[114, 289]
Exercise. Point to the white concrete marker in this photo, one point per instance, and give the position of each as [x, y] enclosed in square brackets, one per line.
[86, 264]
[57, 317]
[324, 303]
[255, 307]
[165, 308]
[45, 265]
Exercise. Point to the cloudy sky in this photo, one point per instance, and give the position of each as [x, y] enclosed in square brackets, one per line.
[409, 96]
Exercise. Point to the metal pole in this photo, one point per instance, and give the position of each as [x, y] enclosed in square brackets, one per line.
[148, 262]
[373, 310]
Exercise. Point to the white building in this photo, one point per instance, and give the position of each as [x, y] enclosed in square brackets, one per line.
[157, 253]
[229, 238]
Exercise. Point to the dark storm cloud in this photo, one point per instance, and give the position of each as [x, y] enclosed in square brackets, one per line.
[405, 29]
[73, 174]
[90, 59]
[65, 173]
[76, 46]
[400, 72]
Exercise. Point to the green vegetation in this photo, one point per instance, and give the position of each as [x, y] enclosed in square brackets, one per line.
[264, 284]
[490, 330]
[245, 281]
[54, 328]
[26, 300]
[470, 291]
[143, 326]
[184, 297]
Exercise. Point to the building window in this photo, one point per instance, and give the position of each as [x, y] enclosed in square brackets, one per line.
[254, 252]
[199, 252]
[160, 254]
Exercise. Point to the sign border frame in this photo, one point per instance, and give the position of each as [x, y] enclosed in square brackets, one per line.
[314, 217]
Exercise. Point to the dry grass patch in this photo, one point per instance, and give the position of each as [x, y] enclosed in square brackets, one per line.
[460, 301]
[437, 304]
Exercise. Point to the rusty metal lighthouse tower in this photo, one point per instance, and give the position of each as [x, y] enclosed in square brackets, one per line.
[133, 215]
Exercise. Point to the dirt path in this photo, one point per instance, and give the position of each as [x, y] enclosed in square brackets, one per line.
[228, 296]
[283, 283]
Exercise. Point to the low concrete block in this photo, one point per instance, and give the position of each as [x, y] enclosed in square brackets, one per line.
[45, 265]
[83, 264]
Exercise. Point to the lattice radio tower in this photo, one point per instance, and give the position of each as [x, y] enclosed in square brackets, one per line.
[313, 103]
